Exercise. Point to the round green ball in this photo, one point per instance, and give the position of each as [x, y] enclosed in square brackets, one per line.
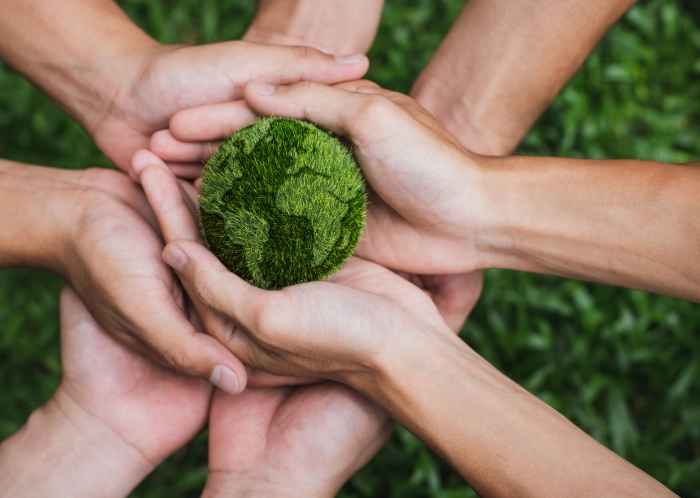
[282, 202]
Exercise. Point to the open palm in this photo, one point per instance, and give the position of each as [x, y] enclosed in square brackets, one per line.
[152, 409]
[303, 441]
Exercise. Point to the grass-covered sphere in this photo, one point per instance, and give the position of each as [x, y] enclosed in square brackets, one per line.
[282, 202]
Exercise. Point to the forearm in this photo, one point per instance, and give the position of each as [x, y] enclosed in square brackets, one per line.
[503, 62]
[62, 453]
[500, 438]
[65, 47]
[333, 26]
[628, 223]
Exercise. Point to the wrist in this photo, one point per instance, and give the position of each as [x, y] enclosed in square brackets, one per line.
[496, 229]
[331, 26]
[38, 204]
[62, 450]
[468, 121]
[225, 484]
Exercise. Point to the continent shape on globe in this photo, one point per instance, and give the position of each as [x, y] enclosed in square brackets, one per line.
[282, 202]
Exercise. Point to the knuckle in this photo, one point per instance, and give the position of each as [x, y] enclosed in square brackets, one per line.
[203, 289]
[374, 108]
[306, 86]
[179, 359]
[268, 319]
[304, 52]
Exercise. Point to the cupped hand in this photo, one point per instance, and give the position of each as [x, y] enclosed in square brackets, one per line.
[425, 214]
[169, 79]
[151, 409]
[113, 260]
[303, 441]
[326, 329]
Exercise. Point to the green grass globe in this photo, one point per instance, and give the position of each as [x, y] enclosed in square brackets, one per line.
[282, 202]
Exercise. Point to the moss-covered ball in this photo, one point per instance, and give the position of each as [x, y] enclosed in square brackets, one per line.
[282, 202]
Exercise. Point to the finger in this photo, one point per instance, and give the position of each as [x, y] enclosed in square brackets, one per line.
[168, 148]
[176, 215]
[216, 287]
[181, 348]
[193, 353]
[186, 171]
[360, 111]
[334, 109]
[258, 379]
[191, 194]
[211, 122]
[359, 85]
[455, 295]
[170, 206]
[284, 65]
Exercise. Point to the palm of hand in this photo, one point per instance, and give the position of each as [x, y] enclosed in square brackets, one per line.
[356, 303]
[150, 408]
[171, 79]
[291, 438]
[393, 241]
[121, 255]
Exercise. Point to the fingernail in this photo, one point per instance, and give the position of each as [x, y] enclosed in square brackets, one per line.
[349, 59]
[174, 256]
[225, 379]
[261, 87]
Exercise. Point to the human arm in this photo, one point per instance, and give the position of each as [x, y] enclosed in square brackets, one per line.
[502, 63]
[331, 26]
[371, 329]
[95, 229]
[441, 209]
[304, 441]
[122, 86]
[114, 417]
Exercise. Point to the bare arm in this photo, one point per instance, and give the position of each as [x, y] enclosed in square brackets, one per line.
[445, 210]
[374, 331]
[502, 63]
[629, 223]
[332, 26]
[500, 438]
[78, 52]
[122, 86]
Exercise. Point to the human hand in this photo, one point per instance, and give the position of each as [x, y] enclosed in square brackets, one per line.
[148, 407]
[333, 27]
[95, 229]
[426, 213]
[114, 417]
[422, 220]
[170, 79]
[311, 313]
[303, 441]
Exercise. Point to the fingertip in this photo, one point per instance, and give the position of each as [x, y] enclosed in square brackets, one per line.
[350, 59]
[226, 379]
[260, 87]
[144, 158]
[175, 257]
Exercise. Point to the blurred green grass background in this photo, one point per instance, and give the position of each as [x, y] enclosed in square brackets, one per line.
[623, 365]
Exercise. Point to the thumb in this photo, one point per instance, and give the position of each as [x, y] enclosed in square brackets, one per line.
[283, 65]
[169, 338]
[213, 285]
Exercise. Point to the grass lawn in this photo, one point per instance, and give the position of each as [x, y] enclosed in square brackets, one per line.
[623, 365]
